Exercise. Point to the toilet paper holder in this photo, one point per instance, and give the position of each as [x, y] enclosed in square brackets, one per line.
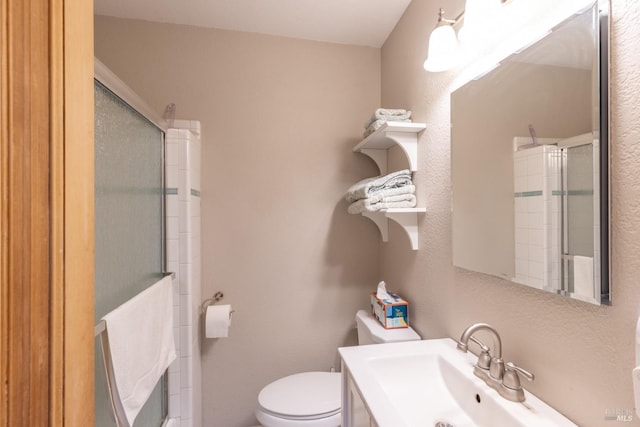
[210, 301]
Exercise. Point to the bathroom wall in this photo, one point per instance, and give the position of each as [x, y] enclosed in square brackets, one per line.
[582, 354]
[279, 119]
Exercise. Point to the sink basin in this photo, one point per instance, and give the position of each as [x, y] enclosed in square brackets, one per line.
[431, 383]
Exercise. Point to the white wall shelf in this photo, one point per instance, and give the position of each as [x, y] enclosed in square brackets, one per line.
[403, 134]
[407, 218]
[376, 146]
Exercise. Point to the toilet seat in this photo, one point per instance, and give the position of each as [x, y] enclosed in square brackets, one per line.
[302, 398]
[267, 420]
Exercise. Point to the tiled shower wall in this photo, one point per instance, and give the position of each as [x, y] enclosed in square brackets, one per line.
[537, 216]
[182, 182]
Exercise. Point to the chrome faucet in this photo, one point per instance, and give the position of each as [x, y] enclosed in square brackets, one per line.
[496, 366]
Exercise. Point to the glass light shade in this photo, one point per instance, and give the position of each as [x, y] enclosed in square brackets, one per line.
[443, 49]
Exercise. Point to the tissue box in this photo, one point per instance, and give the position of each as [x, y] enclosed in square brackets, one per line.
[391, 314]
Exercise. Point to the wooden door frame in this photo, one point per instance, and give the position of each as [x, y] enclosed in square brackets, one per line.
[46, 213]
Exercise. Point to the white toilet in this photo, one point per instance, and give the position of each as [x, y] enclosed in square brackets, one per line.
[313, 399]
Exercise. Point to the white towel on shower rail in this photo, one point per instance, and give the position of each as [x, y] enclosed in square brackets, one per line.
[141, 344]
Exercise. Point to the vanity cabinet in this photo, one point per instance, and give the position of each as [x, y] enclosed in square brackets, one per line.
[376, 146]
[428, 383]
[354, 411]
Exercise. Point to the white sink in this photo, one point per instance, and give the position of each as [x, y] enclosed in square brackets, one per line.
[431, 383]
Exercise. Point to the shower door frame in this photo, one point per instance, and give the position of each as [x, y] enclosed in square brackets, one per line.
[114, 84]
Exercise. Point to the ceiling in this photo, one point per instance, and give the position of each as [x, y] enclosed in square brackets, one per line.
[357, 22]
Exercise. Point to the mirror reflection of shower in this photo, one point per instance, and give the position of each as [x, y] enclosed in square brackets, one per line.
[554, 185]
[579, 234]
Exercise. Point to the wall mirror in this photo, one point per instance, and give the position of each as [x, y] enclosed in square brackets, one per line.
[529, 147]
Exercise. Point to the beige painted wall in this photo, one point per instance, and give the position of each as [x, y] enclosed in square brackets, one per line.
[279, 119]
[582, 355]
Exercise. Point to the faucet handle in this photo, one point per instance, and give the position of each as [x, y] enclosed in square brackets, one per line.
[511, 379]
[480, 343]
[484, 358]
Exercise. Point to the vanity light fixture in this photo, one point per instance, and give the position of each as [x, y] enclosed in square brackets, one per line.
[480, 18]
[443, 45]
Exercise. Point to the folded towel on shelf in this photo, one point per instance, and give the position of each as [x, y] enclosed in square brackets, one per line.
[386, 193]
[389, 114]
[366, 205]
[141, 344]
[377, 124]
[368, 186]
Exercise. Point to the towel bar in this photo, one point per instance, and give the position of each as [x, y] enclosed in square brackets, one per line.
[101, 326]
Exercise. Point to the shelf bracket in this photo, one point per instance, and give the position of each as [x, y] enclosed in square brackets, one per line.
[381, 221]
[408, 220]
[402, 134]
[408, 142]
[379, 156]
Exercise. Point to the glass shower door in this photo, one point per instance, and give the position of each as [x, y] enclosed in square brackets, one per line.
[578, 220]
[129, 226]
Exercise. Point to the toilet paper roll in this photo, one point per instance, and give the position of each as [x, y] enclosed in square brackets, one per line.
[218, 321]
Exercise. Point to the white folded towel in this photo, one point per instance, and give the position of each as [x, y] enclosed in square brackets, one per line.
[390, 114]
[385, 194]
[366, 205]
[141, 344]
[369, 186]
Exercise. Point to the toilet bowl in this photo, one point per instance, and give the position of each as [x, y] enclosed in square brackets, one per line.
[313, 399]
[307, 399]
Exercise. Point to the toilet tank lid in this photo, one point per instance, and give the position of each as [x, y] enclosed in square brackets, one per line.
[381, 335]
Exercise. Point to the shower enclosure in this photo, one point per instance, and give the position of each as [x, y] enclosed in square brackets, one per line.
[560, 250]
[129, 227]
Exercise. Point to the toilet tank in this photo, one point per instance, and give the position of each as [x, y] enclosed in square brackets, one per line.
[370, 331]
